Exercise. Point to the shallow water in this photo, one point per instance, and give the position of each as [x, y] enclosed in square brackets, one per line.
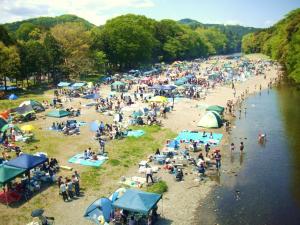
[266, 189]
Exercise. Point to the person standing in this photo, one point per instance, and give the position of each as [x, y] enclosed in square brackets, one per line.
[218, 160]
[63, 191]
[75, 182]
[206, 148]
[70, 189]
[242, 147]
[232, 147]
[149, 173]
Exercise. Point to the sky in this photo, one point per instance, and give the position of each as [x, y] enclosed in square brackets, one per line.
[255, 13]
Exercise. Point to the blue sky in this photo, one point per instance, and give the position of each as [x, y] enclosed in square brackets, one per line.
[257, 13]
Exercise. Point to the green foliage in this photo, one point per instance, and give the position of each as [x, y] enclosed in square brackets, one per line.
[4, 36]
[26, 31]
[159, 187]
[280, 42]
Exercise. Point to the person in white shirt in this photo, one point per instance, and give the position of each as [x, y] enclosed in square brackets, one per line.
[149, 173]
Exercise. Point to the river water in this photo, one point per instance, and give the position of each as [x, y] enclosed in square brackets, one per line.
[266, 188]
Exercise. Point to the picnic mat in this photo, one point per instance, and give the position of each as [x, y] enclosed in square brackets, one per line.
[135, 182]
[79, 159]
[197, 136]
[135, 133]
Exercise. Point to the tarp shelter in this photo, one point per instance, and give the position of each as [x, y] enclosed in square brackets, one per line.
[8, 173]
[211, 119]
[137, 201]
[216, 108]
[58, 113]
[63, 84]
[26, 161]
[2, 123]
[13, 97]
[100, 207]
[78, 85]
[37, 106]
[91, 96]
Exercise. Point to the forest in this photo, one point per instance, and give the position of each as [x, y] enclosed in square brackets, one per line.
[69, 47]
[281, 42]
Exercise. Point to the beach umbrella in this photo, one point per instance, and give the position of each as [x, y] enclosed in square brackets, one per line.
[160, 99]
[37, 212]
[94, 126]
[27, 127]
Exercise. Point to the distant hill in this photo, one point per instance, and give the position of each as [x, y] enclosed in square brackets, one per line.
[234, 33]
[48, 22]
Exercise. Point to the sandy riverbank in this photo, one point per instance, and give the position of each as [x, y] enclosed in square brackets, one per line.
[182, 203]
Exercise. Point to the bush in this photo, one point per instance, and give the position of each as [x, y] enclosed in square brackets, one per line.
[159, 187]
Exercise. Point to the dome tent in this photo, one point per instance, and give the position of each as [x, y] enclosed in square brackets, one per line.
[211, 119]
[216, 108]
[37, 106]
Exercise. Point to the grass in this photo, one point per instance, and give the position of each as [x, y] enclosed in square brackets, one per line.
[124, 154]
[256, 56]
[159, 187]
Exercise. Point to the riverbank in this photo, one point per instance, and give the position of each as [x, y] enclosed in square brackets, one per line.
[182, 203]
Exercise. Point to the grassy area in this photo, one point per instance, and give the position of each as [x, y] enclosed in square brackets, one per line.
[126, 153]
[159, 187]
[256, 56]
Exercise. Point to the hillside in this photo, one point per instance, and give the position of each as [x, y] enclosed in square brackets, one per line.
[48, 22]
[281, 42]
[234, 33]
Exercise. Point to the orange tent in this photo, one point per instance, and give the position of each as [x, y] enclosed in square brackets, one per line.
[4, 115]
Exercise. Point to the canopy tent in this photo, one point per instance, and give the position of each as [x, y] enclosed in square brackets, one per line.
[117, 194]
[216, 108]
[37, 106]
[78, 85]
[26, 161]
[2, 123]
[24, 110]
[58, 113]
[100, 207]
[211, 119]
[63, 84]
[8, 173]
[137, 201]
[160, 99]
[118, 86]
[180, 81]
[91, 96]
[13, 97]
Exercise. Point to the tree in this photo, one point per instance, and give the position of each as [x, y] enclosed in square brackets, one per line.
[76, 42]
[9, 63]
[4, 36]
[55, 55]
[23, 33]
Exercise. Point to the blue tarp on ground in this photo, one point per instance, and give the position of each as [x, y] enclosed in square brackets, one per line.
[63, 84]
[137, 201]
[79, 159]
[198, 136]
[26, 161]
[78, 85]
[100, 207]
[135, 133]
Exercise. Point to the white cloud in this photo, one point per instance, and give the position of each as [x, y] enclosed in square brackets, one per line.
[94, 11]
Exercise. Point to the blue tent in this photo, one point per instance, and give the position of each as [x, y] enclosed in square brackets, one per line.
[137, 201]
[13, 97]
[100, 207]
[91, 96]
[168, 87]
[63, 84]
[27, 162]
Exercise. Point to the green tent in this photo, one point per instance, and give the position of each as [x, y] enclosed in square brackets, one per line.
[216, 108]
[2, 123]
[118, 86]
[7, 126]
[211, 119]
[8, 173]
[58, 113]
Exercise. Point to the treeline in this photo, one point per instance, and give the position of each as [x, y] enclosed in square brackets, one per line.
[68, 47]
[281, 42]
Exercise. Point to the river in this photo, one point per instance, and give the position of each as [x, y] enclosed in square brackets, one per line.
[266, 188]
